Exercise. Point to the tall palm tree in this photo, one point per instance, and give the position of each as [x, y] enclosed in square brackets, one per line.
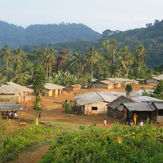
[77, 63]
[19, 60]
[92, 59]
[125, 60]
[140, 55]
[49, 60]
[61, 59]
[113, 48]
[18, 72]
[6, 52]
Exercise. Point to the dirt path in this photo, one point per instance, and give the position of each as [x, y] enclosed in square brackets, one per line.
[33, 156]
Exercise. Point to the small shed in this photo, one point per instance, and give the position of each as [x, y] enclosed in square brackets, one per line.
[75, 87]
[53, 89]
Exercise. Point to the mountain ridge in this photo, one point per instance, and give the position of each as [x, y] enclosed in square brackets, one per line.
[14, 35]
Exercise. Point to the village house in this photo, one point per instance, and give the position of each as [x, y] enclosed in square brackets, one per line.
[53, 89]
[159, 111]
[14, 92]
[144, 106]
[111, 83]
[104, 84]
[95, 102]
[155, 79]
[114, 108]
[75, 87]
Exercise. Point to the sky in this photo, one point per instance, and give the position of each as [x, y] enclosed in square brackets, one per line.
[97, 14]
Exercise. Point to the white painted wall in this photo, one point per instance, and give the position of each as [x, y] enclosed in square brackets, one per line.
[101, 108]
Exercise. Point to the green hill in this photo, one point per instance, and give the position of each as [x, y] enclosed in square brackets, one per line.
[151, 37]
[13, 35]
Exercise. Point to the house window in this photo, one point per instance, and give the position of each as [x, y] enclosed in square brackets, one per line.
[160, 112]
[94, 108]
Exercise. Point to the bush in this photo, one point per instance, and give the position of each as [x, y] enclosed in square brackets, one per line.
[67, 107]
[92, 144]
[21, 139]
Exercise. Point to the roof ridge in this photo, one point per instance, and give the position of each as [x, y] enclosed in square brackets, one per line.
[98, 93]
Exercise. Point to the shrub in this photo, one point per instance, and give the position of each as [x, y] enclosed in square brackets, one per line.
[21, 139]
[92, 144]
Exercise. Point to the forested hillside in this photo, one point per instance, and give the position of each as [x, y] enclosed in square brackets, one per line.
[14, 36]
[78, 37]
[151, 37]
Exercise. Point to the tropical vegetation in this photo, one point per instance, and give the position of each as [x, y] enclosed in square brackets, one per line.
[65, 67]
[119, 144]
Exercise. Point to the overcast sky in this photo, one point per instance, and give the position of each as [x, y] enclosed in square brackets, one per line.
[97, 14]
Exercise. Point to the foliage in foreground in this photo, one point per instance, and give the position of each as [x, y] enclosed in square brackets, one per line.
[101, 145]
[158, 91]
[12, 144]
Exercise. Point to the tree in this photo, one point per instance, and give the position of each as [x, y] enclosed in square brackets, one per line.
[49, 60]
[92, 58]
[6, 52]
[125, 61]
[61, 59]
[38, 82]
[140, 55]
[77, 63]
[128, 89]
[158, 92]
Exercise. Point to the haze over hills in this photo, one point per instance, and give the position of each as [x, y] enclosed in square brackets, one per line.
[80, 37]
[151, 37]
[13, 35]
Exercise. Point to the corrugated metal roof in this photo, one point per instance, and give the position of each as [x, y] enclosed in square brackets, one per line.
[159, 105]
[114, 80]
[8, 90]
[106, 82]
[139, 106]
[88, 98]
[51, 86]
[159, 77]
[19, 87]
[144, 99]
[13, 88]
[118, 101]
[93, 97]
[7, 106]
[109, 96]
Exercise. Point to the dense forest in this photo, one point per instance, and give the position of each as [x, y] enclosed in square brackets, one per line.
[151, 37]
[66, 67]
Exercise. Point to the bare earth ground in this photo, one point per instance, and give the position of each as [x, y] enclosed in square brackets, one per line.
[53, 111]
